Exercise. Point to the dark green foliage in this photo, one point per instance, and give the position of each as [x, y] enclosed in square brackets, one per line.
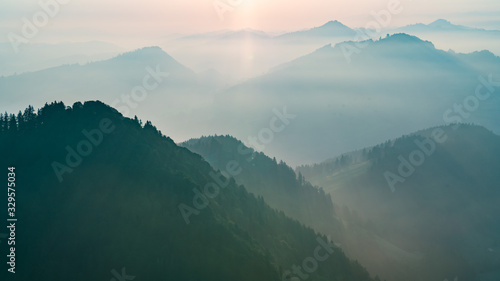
[276, 182]
[444, 218]
[119, 208]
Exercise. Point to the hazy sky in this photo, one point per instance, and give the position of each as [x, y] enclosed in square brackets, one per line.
[99, 19]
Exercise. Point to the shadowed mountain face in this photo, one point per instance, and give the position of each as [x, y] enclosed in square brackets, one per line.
[296, 197]
[441, 209]
[275, 182]
[120, 195]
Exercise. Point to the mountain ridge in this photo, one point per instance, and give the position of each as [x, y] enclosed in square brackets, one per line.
[444, 205]
[120, 206]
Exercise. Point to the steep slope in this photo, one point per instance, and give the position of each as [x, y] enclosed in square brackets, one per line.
[442, 207]
[276, 182]
[98, 195]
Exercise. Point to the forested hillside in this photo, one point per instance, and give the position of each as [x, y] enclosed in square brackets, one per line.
[98, 193]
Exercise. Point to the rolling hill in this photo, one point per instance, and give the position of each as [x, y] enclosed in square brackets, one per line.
[442, 207]
[385, 88]
[276, 182]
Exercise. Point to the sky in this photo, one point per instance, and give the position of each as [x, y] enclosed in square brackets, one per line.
[77, 20]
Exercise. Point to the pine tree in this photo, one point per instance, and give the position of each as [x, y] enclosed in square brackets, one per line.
[20, 121]
[12, 123]
[30, 117]
[5, 122]
[1, 123]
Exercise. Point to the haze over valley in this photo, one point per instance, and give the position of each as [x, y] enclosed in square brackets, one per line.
[250, 140]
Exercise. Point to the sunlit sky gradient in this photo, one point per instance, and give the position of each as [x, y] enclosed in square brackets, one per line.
[128, 20]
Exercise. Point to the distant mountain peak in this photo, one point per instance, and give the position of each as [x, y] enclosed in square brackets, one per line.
[437, 25]
[151, 50]
[149, 56]
[334, 23]
[404, 38]
[145, 53]
[331, 28]
[440, 22]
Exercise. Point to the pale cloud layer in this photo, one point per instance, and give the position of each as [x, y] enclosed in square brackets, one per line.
[148, 19]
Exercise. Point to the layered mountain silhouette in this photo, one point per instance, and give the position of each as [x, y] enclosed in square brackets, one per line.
[353, 94]
[297, 198]
[275, 182]
[109, 79]
[246, 53]
[330, 29]
[442, 25]
[440, 215]
[100, 195]
[223, 44]
[447, 35]
[353, 87]
[37, 56]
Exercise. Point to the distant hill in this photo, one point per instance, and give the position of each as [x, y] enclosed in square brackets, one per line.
[117, 75]
[246, 53]
[345, 97]
[276, 182]
[442, 25]
[352, 95]
[98, 195]
[444, 210]
[37, 56]
[330, 30]
[447, 35]
[146, 82]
